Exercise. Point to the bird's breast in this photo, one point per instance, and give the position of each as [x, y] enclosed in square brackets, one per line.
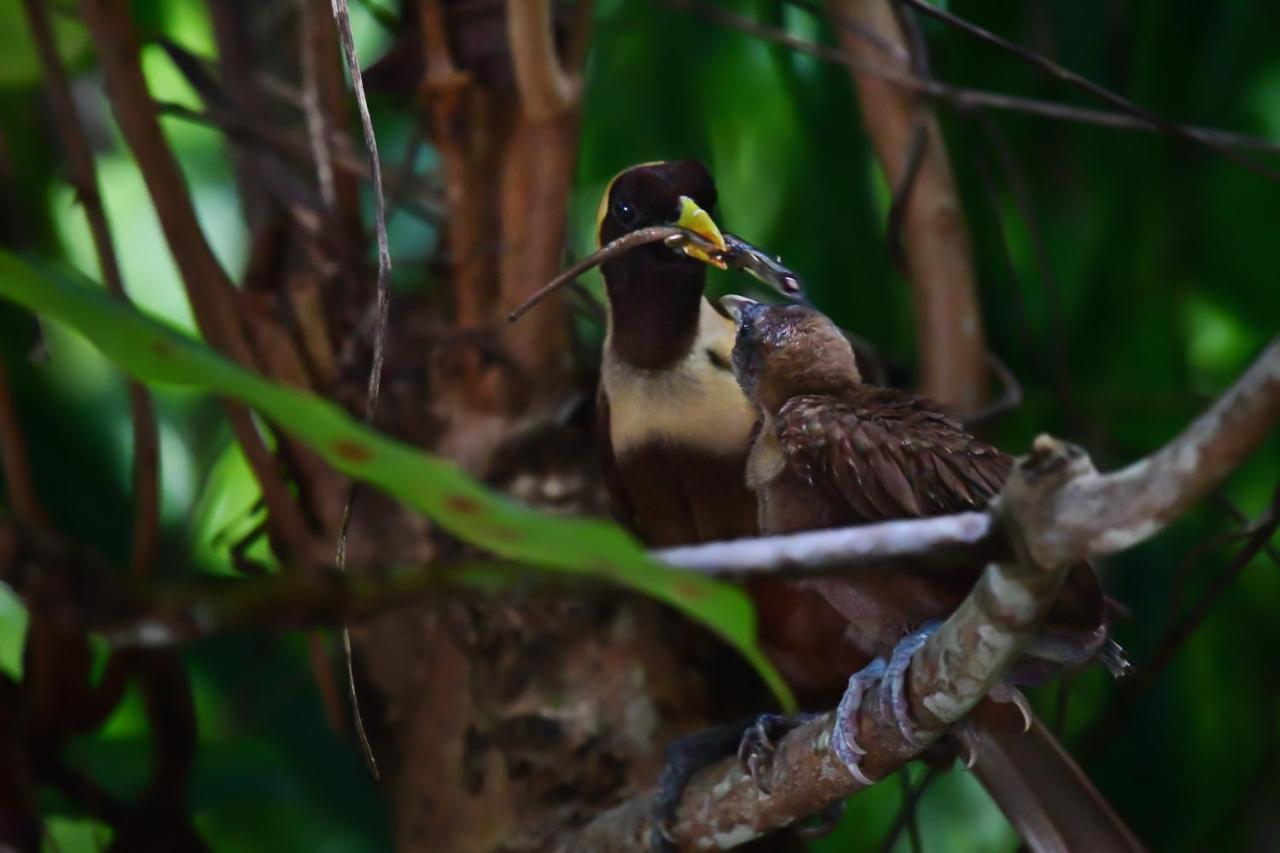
[694, 404]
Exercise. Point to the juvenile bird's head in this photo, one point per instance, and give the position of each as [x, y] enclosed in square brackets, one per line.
[782, 351]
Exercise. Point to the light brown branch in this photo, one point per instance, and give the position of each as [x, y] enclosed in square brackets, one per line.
[1105, 514]
[546, 90]
[939, 255]
[82, 174]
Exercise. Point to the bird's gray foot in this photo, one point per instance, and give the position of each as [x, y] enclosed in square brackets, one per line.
[893, 696]
[844, 734]
[760, 741]
[685, 757]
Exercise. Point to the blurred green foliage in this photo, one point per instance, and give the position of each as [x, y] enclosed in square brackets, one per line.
[1163, 286]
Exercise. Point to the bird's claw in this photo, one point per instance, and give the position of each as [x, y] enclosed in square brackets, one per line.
[759, 742]
[1008, 693]
[843, 739]
[893, 700]
[966, 736]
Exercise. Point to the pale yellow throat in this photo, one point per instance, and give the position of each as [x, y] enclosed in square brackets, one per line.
[766, 459]
[692, 404]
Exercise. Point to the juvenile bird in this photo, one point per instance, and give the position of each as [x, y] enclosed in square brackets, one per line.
[833, 451]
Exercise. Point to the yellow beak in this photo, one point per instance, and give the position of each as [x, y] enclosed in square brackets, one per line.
[699, 222]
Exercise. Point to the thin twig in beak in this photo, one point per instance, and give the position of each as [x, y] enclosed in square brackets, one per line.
[675, 238]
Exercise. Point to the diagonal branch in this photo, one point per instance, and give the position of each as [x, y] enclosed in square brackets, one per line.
[83, 177]
[962, 98]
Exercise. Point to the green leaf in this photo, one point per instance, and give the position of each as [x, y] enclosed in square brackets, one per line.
[13, 632]
[597, 549]
[75, 835]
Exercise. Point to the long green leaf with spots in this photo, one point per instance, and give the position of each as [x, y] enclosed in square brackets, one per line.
[155, 353]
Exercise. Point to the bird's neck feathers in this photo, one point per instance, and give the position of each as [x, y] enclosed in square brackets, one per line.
[653, 313]
[829, 370]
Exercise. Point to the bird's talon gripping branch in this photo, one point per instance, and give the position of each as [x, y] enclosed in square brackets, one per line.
[1008, 693]
[759, 742]
[893, 694]
[966, 737]
[844, 733]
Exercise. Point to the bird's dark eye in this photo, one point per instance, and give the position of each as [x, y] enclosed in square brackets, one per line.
[624, 213]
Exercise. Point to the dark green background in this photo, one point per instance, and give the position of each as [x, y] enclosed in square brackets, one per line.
[1163, 286]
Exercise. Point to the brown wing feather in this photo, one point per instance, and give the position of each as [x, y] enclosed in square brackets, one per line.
[881, 454]
[888, 454]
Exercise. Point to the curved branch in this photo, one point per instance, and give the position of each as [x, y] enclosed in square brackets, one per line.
[546, 91]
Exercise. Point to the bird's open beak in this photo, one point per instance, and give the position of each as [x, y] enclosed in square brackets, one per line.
[699, 222]
[735, 305]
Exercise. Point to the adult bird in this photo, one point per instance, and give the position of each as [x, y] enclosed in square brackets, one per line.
[833, 451]
[673, 426]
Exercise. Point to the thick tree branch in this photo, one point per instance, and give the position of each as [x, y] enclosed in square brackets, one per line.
[83, 176]
[938, 252]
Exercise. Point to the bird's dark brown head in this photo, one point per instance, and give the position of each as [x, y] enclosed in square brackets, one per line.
[655, 292]
[782, 351]
[677, 192]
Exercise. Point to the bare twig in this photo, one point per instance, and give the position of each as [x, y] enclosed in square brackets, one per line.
[945, 541]
[1223, 502]
[343, 19]
[906, 817]
[1068, 76]
[1261, 531]
[82, 175]
[963, 98]
[1010, 394]
[1017, 183]
[625, 243]
[317, 123]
